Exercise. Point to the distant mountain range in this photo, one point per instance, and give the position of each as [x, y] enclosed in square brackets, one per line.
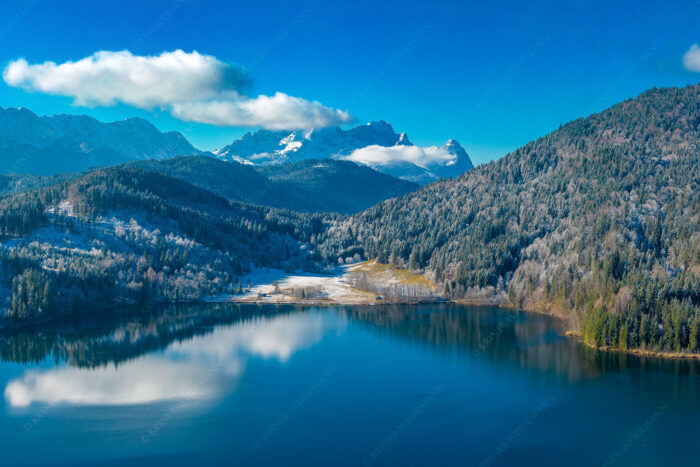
[70, 143]
[364, 144]
[275, 147]
[48, 145]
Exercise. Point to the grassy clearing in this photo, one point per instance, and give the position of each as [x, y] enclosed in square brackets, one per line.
[388, 273]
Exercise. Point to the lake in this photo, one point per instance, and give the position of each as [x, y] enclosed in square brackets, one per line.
[384, 385]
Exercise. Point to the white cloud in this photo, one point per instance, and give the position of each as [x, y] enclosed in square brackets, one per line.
[106, 78]
[192, 86]
[278, 112]
[422, 156]
[691, 59]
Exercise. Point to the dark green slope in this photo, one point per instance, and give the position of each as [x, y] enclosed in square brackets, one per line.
[231, 180]
[599, 220]
[13, 184]
[310, 185]
[350, 187]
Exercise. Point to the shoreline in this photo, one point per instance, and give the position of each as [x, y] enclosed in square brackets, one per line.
[498, 304]
[637, 352]
[39, 324]
[491, 303]
[282, 288]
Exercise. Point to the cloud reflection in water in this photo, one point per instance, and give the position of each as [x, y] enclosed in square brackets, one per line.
[197, 368]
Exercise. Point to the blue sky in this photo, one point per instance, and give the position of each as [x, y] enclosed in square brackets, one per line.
[492, 75]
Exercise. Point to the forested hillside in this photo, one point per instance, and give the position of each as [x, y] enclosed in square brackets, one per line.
[129, 235]
[598, 221]
[123, 235]
[309, 185]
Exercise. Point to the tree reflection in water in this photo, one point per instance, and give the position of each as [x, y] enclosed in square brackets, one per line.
[122, 337]
[528, 340]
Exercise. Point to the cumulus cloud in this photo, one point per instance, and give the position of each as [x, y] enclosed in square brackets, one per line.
[421, 156]
[106, 78]
[691, 59]
[278, 112]
[191, 86]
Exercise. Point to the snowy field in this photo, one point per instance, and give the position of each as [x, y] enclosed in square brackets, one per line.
[276, 286]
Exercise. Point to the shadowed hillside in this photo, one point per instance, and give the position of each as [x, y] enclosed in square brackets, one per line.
[309, 185]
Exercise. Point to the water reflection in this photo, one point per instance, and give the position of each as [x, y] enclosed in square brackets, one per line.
[102, 368]
[117, 338]
[524, 339]
[137, 382]
[198, 352]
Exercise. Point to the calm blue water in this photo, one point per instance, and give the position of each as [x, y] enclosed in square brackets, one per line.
[426, 385]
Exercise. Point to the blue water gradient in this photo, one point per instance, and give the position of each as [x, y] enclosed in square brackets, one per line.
[401, 385]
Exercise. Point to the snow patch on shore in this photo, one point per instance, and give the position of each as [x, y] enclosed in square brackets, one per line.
[326, 288]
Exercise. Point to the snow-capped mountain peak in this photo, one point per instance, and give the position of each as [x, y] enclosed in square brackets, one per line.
[374, 143]
[403, 140]
[457, 165]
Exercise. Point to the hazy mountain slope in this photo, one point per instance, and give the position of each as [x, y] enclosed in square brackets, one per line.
[599, 220]
[13, 184]
[71, 143]
[339, 186]
[309, 186]
[265, 147]
[228, 179]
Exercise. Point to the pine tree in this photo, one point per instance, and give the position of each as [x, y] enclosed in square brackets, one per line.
[694, 340]
[413, 261]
